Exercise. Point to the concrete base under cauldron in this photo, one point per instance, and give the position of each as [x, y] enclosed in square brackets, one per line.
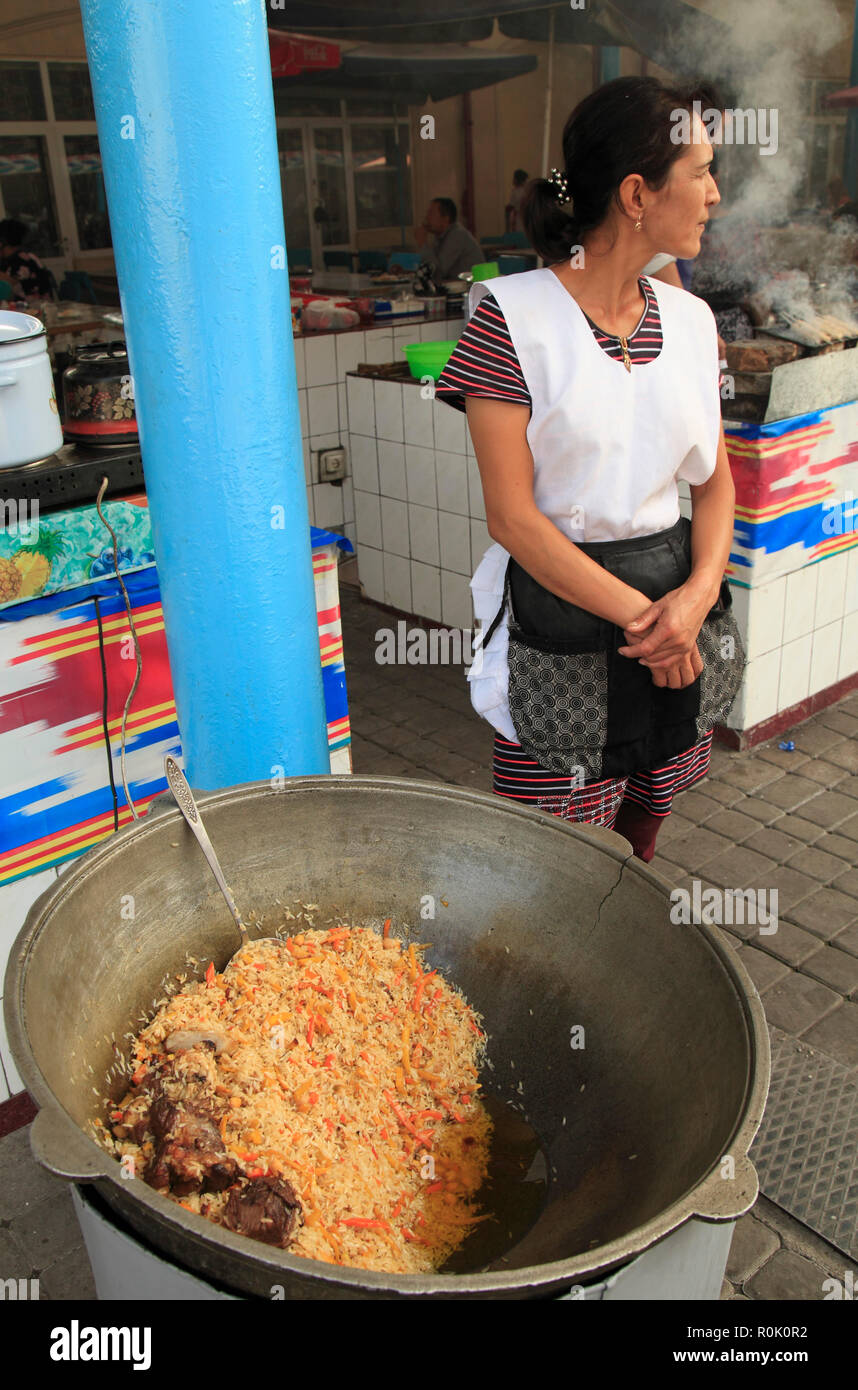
[689, 1264]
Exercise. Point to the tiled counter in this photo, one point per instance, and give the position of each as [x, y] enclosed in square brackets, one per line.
[420, 532]
[419, 514]
[321, 363]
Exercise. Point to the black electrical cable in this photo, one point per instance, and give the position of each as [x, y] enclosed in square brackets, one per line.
[104, 723]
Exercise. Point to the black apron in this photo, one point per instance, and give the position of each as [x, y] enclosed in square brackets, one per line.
[580, 708]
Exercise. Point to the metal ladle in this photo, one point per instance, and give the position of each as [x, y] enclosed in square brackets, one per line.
[178, 784]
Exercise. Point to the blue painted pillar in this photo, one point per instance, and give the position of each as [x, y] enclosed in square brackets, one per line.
[850, 157]
[186, 127]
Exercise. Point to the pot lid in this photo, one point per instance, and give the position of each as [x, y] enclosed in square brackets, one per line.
[19, 328]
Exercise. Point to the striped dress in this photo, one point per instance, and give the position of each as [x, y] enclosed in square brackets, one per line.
[484, 363]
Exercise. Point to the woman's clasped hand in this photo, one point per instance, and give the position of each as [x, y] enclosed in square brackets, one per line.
[664, 638]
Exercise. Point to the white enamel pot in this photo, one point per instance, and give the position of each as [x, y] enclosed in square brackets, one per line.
[29, 418]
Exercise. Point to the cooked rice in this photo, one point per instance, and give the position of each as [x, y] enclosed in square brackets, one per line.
[351, 1074]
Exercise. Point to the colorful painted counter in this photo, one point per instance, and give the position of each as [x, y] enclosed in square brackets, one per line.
[67, 663]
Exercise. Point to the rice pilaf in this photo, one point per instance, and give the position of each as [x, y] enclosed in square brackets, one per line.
[330, 1088]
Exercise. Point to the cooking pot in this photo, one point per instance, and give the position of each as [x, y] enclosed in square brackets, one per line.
[636, 1047]
[98, 396]
[29, 418]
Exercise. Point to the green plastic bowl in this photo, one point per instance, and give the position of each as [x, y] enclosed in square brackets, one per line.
[428, 359]
[486, 270]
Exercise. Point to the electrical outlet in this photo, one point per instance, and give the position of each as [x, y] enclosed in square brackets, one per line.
[332, 465]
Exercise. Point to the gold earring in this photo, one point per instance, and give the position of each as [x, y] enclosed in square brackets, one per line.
[638, 224]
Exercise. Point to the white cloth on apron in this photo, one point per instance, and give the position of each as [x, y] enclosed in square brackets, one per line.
[609, 446]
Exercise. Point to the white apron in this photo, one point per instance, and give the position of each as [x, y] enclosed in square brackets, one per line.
[609, 446]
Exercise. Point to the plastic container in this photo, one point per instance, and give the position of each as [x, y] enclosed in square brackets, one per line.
[428, 359]
[486, 270]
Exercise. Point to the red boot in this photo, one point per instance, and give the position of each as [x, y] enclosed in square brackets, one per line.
[639, 827]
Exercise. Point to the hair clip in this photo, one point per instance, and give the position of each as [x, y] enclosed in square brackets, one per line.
[561, 185]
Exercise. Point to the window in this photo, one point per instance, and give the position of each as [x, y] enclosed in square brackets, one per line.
[50, 166]
[381, 175]
[71, 92]
[87, 187]
[21, 96]
[26, 190]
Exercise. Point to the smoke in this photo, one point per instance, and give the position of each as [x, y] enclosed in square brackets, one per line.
[768, 45]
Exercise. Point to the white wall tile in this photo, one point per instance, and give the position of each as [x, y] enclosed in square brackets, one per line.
[848, 647]
[456, 608]
[300, 368]
[364, 462]
[454, 533]
[685, 507]
[394, 527]
[480, 541]
[311, 506]
[371, 571]
[13, 1078]
[351, 349]
[343, 407]
[800, 602]
[451, 475]
[420, 475]
[323, 409]
[469, 443]
[419, 417]
[347, 492]
[404, 333]
[302, 411]
[423, 528]
[397, 582]
[350, 530]
[321, 358]
[830, 589]
[361, 400]
[388, 410]
[425, 591]
[758, 695]
[308, 460]
[825, 656]
[476, 502]
[760, 616]
[367, 519]
[328, 505]
[795, 671]
[455, 328]
[391, 470]
[434, 331]
[851, 597]
[449, 428]
[379, 346]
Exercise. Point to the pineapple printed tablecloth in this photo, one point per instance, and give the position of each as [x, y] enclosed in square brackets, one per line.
[60, 783]
[47, 554]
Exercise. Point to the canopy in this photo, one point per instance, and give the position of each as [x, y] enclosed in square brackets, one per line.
[410, 73]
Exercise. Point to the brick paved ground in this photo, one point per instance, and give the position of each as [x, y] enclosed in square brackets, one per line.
[766, 818]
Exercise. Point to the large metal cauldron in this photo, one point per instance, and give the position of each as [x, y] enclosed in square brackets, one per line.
[543, 925]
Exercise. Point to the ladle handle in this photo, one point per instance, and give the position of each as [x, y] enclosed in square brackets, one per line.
[178, 784]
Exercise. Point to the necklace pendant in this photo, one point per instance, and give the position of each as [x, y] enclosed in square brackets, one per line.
[627, 361]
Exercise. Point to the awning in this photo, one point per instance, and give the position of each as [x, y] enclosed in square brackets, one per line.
[410, 73]
[656, 28]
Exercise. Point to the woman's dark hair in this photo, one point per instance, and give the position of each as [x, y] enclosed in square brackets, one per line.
[519, 176]
[12, 232]
[622, 128]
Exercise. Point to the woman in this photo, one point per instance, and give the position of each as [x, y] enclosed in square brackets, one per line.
[589, 395]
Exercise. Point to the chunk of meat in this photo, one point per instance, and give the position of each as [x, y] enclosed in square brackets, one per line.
[189, 1152]
[184, 1038]
[267, 1209]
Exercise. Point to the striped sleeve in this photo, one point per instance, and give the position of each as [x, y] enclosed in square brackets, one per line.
[484, 362]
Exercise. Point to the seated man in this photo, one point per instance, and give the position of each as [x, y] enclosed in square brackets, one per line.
[453, 250]
[28, 276]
